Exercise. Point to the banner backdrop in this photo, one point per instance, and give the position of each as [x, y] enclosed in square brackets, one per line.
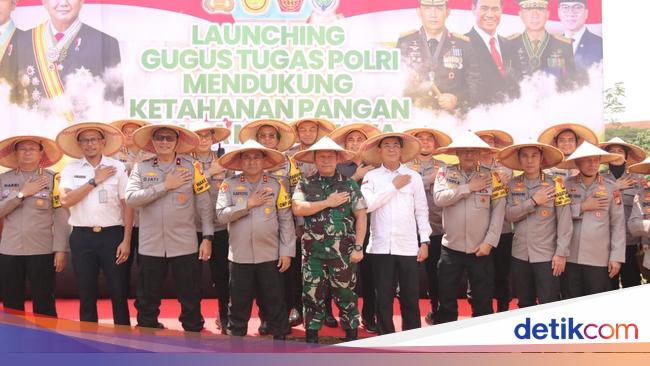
[231, 62]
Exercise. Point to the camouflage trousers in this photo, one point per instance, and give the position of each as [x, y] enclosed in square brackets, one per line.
[340, 276]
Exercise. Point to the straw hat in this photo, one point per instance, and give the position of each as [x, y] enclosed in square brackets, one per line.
[468, 140]
[509, 156]
[324, 126]
[286, 132]
[232, 160]
[635, 154]
[187, 140]
[120, 123]
[67, 138]
[501, 138]
[641, 168]
[442, 139]
[340, 134]
[218, 133]
[370, 148]
[584, 134]
[324, 144]
[51, 152]
[587, 150]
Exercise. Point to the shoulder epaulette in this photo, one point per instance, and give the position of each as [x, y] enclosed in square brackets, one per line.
[562, 38]
[408, 33]
[513, 36]
[460, 36]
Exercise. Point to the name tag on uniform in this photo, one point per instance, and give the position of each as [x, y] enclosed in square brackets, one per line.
[103, 196]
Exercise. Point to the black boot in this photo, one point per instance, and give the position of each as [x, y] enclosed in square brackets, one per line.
[295, 317]
[329, 320]
[351, 335]
[264, 328]
[311, 336]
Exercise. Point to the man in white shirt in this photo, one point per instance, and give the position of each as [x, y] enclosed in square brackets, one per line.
[93, 188]
[396, 198]
[472, 198]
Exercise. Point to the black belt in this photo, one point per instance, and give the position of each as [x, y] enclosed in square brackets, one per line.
[97, 229]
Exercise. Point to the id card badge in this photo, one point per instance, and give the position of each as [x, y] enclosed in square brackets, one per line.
[103, 196]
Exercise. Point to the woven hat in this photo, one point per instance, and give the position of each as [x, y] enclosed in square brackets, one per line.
[468, 140]
[187, 140]
[218, 133]
[586, 150]
[324, 144]
[635, 154]
[370, 148]
[324, 126]
[501, 138]
[67, 138]
[442, 139]
[120, 123]
[286, 132]
[509, 156]
[584, 133]
[51, 152]
[641, 168]
[232, 159]
[340, 134]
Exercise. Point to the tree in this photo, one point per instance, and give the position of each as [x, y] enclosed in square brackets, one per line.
[613, 102]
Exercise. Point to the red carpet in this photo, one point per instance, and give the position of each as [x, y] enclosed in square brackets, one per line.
[170, 309]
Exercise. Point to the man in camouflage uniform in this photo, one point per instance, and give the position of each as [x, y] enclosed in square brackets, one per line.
[332, 243]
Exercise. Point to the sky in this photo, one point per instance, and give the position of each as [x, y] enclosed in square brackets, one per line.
[627, 54]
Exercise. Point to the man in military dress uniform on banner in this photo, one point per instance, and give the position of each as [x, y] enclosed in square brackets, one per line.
[445, 74]
[8, 36]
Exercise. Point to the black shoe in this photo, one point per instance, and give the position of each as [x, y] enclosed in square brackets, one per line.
[158, 325]
[311, 336]
[295, 317]
[330, 321]
[503, 306]
[370, 326]
[264, 328]
[429, 318]
[351, 335]
[279, 338]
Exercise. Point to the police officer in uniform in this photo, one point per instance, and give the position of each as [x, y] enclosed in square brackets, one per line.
[445, 75]
[34, 251]
[428, 166]
[169, 190]
[332, 245]
[308, 131]
[537, 50]
[639, 221]
[629, 184]
[472, 198]
[210, 135]
[598, 240]
[256, 207]
[566, 137]
[538, 206]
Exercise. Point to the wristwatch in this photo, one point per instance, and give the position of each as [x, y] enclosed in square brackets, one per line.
[358, 248]
[20, 196]
[208, 237]
[425, 243]
[92, 182]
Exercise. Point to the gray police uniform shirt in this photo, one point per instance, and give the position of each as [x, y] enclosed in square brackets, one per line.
[469, 218]
[215, 182]
[263, 233]
[35, 225]
[598, 236]
[628, 201]
[427, 170]
[167, 218]
[639, 221]
[540, 231]
[129, 158]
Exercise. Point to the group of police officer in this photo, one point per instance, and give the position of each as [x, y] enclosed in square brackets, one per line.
[456, 72]
[294, 215]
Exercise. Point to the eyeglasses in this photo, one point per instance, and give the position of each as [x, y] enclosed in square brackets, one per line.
[161, 138]
[575, 8]
[90, 141]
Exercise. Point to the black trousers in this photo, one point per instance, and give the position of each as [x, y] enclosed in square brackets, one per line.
[293, 281]
[133, 258]
[92, 252]
[431, 266]
[391, 270]
[582, 280]
[186, 272]
[39, 271]
[264, 281]
[630, 274]
[534, 281]
[220, 273]
[480, 272]
[501, 257]
[369, 308]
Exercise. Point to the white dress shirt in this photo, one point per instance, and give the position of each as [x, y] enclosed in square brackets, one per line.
[576, 37]
[486, 39]
[398, 216]
[103, 205]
